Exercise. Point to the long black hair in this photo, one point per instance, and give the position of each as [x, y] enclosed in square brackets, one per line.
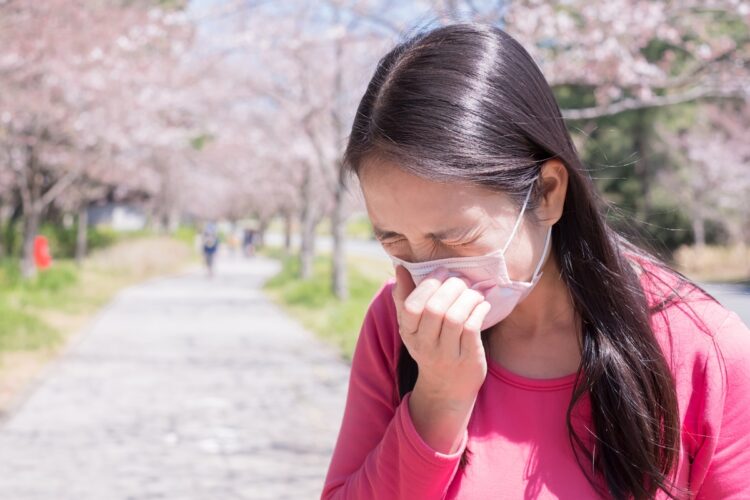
[466, 102]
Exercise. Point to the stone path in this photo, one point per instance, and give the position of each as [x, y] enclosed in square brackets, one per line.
[183, 388]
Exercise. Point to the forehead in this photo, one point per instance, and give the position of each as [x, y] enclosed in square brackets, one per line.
[395, 198]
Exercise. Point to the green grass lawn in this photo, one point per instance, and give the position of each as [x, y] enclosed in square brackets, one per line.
[313, 303]
[21, 326]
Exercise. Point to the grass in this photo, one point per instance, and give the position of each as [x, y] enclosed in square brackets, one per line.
[40, 316]
[312, 302]
[715, 263]
[22, 327]
[20, 331]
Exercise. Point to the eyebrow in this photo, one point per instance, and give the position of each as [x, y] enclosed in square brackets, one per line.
[447, 234]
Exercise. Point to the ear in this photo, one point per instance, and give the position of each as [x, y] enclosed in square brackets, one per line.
[554, 179]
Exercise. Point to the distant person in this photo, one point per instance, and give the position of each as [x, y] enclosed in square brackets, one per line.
[233, 243]
[210, 241]
[248, 242]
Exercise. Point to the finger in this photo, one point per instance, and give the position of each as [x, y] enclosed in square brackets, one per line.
[410, 311]
[436, 306]
[471, 340]
[456, 316]
[404, 284]
[428, 286]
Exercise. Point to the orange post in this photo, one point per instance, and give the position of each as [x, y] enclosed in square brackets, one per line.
[42, 257]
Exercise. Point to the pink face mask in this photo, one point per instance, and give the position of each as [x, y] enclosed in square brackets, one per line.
[488, 274]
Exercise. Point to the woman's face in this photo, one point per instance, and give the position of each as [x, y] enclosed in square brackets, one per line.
[419, 220]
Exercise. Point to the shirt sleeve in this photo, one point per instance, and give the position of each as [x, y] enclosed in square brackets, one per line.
[379, 453]
[721, 466]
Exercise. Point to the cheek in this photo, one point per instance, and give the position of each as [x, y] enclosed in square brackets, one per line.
[519, 258]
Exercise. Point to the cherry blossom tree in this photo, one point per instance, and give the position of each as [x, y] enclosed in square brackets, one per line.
[710, 178]
[240, 109]
[63, 65]
[637, 56]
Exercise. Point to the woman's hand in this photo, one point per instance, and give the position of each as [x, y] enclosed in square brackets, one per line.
[440, 324]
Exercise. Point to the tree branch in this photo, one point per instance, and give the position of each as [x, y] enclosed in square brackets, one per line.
[654, 102]
[57, 188]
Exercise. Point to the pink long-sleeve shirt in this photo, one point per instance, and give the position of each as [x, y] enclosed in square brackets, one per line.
[517, 435]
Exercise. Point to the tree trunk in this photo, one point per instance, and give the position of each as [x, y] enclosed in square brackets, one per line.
[307, 244]
[339, 277]
[31, 207]
[164, 223]
[5, 213]
[699, 230]
[173, 220]
[31, 220]
[262, 230]
[288, 231]
[642, 165]
[339, 280]
[82, 233]
[9, 238]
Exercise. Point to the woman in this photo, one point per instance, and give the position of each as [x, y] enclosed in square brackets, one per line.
[524, 348]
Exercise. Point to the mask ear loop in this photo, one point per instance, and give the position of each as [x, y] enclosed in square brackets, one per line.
[518, 220]
[544, 254]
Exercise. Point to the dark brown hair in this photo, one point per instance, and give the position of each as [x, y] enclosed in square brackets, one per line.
[467, 103]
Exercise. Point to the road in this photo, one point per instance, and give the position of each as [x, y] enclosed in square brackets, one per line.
[183, 388]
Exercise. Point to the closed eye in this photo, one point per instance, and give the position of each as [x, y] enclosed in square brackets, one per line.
[392, 242]
[461, 244]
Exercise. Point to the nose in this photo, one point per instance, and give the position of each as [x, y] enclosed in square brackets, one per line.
[423, 256]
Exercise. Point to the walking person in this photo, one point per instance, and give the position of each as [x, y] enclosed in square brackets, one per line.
[524, 349]
[248, 242]
[210, 242]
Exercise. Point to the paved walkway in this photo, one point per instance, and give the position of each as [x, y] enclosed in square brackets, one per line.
[183, 388]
